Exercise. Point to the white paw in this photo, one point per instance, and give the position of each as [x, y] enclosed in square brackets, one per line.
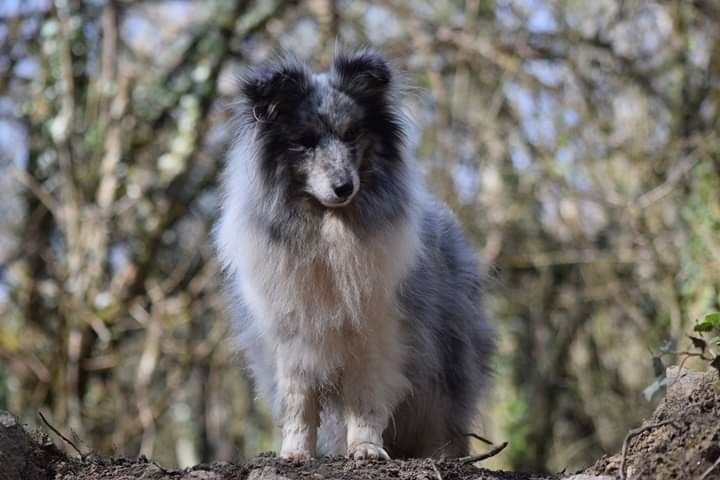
[298, 443]
[296, 455]
[367, 451]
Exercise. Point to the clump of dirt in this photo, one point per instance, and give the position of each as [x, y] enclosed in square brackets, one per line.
[342, 468]
[23, 455]
[269, 467]
[681, 440]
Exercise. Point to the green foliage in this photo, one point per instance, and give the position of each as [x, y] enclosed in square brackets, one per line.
[708, 341]
[705, 346]
[517, 430]
[711, 323]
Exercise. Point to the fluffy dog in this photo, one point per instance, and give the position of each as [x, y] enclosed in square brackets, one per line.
[356, 299]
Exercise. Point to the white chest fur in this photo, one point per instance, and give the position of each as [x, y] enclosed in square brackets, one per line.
[341, 283]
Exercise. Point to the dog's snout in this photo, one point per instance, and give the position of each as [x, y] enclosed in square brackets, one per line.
[332, 176]
[344, 190]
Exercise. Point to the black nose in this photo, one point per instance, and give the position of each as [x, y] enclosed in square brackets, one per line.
[344, 190]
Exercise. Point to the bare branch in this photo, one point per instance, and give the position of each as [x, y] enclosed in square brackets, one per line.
[57, 432]
[484, 456]
[635, 432]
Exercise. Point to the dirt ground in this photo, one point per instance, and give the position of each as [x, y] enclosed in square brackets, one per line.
[681, 441]
[683, 436]
[271, 468]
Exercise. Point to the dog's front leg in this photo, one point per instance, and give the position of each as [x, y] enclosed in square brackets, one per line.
[364, 435]
[371, 390]
[300, 414]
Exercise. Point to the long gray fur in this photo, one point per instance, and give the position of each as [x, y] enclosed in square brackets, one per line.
[360, 314]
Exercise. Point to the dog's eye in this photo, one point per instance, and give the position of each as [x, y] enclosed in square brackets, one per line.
[351, 134]
[308, 140]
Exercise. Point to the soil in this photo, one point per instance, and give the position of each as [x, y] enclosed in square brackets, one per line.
[685, 446]
[264, 467]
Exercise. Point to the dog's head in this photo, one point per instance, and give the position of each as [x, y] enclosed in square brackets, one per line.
[324, 135]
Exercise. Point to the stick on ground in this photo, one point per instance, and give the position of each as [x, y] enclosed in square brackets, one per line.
[709, 470]
[483, 456]
[634, 433]
[42, 417]
[478, 437]
[434, 467]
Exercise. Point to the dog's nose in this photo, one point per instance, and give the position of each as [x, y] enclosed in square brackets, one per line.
[344, 190]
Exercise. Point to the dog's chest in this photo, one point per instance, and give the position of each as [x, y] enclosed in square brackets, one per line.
[336, 281]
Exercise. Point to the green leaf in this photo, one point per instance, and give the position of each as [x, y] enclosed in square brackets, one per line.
[713, 319]
[698, 343]
[703, 327]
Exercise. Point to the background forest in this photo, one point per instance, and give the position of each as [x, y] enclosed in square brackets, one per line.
[576, 140]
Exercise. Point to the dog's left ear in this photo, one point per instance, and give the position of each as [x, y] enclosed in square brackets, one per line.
[362, 74]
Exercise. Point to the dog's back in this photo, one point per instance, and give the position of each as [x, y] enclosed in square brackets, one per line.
[452, 343]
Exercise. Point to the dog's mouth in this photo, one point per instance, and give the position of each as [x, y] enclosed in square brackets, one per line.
[337, 204]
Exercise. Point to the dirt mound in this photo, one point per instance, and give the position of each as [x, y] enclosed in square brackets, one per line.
[264, 467]
[24, 455]
[682, 440]
[31, 456]
[268, 467]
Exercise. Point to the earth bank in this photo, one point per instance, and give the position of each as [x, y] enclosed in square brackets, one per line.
[680, 441]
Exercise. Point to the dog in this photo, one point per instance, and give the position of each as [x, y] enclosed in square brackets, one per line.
[355, 297]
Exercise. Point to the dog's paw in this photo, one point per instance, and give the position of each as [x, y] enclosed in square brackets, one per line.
[367, 451]
[296, 455]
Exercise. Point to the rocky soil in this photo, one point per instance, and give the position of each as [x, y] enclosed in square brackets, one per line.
[681, 441]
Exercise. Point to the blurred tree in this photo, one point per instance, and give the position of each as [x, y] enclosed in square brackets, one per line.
[577, 142]
[112, 279]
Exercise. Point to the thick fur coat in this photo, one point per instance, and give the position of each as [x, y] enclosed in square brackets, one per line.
[356, 299]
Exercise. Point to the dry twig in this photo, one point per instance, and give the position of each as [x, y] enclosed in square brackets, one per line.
[57, 432]
[434, 467]
[709, 470]
[449, 442]
[634, 433]
[441, 448]
[483, 456]
[478, 437]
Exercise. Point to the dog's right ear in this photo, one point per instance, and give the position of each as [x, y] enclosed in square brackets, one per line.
[274, 88]
[362, 74]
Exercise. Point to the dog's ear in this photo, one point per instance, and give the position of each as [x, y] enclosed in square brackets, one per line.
[273, 88]
[362, 74]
